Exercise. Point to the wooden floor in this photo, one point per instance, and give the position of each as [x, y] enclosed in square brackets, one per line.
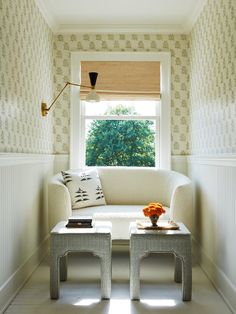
[81, 293]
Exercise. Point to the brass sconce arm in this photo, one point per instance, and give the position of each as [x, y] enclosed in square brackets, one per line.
[93, 97]
[44, 107]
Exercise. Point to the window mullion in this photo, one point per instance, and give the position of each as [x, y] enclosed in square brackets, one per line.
[125, 117]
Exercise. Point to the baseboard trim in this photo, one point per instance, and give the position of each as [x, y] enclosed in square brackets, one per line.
[219, 280]
[12, 286]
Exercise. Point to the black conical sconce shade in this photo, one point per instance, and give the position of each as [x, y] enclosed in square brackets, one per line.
[93, 78]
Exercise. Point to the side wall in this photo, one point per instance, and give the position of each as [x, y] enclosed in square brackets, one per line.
[26, 141]
[212, 165]
[26, 78]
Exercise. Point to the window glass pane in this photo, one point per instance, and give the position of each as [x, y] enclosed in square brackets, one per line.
[141, 108]
[120, 143]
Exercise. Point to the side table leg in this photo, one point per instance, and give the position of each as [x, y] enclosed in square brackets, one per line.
[54, 276]
[178, 269]
[63, 268]
[105, 261]
[187, 278]
[134, 275]
[106, 276]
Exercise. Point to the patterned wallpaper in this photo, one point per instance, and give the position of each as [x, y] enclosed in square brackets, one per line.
[26, 63]
[176, 44]
[213, 80]
[29, 70]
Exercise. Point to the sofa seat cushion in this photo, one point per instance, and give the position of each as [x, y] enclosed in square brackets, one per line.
[119, 215]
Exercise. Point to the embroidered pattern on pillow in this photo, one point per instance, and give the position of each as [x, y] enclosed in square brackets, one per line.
[84, 187]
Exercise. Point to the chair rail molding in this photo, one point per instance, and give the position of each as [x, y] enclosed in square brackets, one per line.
[219, 160]
[10, 159]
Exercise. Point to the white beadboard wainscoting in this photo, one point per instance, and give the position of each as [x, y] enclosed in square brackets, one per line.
[214, 181]
[23, 219]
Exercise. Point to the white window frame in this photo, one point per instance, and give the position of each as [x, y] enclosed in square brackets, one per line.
[77, 152]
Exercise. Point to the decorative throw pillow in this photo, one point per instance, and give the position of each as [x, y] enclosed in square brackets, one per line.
[84, 187]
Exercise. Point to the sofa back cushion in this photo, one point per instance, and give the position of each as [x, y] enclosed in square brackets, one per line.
[128, 185]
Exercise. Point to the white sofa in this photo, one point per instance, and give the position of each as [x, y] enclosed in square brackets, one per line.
[127, 190]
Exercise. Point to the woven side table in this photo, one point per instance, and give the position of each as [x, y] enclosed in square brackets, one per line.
[178, 242]
[96, 240]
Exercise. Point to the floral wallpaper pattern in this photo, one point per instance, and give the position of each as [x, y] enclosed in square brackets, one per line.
[35, 64]
[26, 78]
[213, 80]
[178, 45]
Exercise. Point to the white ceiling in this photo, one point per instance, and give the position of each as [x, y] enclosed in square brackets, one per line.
[164, 16]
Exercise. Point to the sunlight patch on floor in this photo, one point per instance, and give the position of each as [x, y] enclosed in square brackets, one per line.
[86, 302]
[115, 305]
[160, 302]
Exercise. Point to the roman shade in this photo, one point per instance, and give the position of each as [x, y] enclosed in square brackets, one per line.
[123, 80]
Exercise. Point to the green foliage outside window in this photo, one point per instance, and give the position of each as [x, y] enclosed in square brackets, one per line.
[121, 142]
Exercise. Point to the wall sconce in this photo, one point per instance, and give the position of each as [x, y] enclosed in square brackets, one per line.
[91, 97]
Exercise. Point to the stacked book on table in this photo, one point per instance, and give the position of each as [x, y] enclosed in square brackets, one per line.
[80, 222]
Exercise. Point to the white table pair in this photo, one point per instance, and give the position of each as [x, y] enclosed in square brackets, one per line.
[142, 242]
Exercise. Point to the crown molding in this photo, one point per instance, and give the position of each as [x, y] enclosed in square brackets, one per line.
[118, 28]
[184, 28]
[48, 17]
[192, 19]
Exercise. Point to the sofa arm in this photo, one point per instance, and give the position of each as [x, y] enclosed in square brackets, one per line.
[59, 203]
[181, 206]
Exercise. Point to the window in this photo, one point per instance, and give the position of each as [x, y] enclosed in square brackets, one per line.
[120, 133]
[83, 116]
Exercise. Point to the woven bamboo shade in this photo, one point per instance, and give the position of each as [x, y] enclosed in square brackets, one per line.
[137, 80]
